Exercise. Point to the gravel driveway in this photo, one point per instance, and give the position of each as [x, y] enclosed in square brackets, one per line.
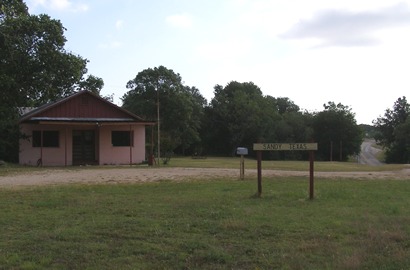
[132, 175]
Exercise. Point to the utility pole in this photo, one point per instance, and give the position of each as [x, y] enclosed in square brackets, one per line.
[158, 126]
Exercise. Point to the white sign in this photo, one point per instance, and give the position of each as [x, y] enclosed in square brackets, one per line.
[284, 146]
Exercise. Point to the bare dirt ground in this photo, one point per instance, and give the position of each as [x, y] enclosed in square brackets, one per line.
[134, 175]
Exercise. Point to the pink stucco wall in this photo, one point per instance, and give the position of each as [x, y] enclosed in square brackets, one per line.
[62, 155]
[51, 156]
[121, 154]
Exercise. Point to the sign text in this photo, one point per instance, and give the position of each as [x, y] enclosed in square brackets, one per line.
[284, 146]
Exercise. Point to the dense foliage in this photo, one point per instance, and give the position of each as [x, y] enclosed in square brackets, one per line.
[393, 132]
[34, 68]
[235, 117]
[180, 107]
[337, 133]
[369, 131]
[238, 115]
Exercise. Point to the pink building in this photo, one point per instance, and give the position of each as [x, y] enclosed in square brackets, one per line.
[82, 129]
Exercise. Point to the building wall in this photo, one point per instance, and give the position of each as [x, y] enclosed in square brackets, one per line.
[110, 154]
[106, 153]
[51, 156]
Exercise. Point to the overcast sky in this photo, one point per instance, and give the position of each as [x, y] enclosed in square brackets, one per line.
[350, 51]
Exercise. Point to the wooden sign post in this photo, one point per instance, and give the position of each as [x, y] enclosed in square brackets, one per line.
[259, 147]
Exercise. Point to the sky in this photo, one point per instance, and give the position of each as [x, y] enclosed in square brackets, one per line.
[354, 52]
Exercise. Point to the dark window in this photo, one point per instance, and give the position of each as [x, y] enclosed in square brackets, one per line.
[36, 139]
[121, 138]
[50, 138]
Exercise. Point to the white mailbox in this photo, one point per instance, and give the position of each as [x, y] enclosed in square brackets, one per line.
[242, 151]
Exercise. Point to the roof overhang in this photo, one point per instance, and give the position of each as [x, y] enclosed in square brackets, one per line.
[86, 121]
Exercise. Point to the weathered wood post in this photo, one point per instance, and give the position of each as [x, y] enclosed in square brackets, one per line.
[259, 147]
[259, 162]
[311, 177]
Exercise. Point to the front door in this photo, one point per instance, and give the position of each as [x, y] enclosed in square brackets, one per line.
[84, 147]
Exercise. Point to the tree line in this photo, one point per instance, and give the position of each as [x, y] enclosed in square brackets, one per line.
[237, 116]
[36, 69]
[240, 115]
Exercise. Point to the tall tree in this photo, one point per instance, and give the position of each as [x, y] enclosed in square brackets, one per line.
[238, 115]
[285, 105]
[392, 132]
[34, 66]
[12, 9]
[180, 107]
[92, 84]
[9, 134]
[337, 133]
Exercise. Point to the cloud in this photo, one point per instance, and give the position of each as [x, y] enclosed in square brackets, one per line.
[346, 28]
[61, 5]
[110, 45]
[119, 24]
[229, 50]
[179, 20]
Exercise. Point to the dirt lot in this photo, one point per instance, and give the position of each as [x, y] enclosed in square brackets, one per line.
[129, 175]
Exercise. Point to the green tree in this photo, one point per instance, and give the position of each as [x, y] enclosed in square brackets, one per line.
[293, 125]
[92, 83]
[369, 131]
[12, 9]
[180, 107]
[34, 66]
[289, 124]
[337, 133]
[9, 134]
[238, 115]
[285, 105]
[393, 132]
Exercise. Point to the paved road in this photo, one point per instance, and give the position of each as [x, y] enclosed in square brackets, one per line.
[368, 154]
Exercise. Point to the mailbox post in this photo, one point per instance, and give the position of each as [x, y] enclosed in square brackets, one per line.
[242, 151]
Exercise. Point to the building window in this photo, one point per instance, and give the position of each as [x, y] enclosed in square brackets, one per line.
[122, 138]
[50, 138]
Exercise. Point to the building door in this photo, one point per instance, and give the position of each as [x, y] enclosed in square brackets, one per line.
[84, 147]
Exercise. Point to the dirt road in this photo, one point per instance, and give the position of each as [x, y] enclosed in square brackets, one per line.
[368, 154]
[134, 175]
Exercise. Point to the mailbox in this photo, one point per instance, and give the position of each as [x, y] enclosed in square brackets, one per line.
[241, 151]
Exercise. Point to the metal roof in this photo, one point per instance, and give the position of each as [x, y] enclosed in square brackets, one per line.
[39, 114]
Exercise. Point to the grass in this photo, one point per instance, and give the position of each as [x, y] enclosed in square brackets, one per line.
[223, 162]
[207, 225]
[10, 168]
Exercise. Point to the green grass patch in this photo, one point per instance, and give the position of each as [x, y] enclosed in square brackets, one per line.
[10, 168]
[207, 225]
[233, 162]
